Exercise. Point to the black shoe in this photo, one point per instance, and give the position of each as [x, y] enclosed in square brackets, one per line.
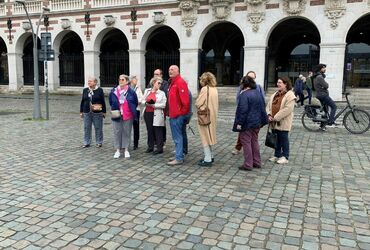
[85, 146]
[244, 169]
[149, 150]
[135, 147]
[156, 152]
[203, 163]
[213, 160]
[99, 145]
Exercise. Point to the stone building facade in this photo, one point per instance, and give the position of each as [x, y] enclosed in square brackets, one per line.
[104, 38]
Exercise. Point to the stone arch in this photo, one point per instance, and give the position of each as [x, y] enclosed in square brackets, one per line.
[222, 52]
[293, 48]
[4, 69]
[357, 62]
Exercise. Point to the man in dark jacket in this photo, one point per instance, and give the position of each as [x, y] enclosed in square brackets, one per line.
[322, 93]
[178, 107]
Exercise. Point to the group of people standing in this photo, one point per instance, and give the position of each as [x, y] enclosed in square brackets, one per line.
[161, 99]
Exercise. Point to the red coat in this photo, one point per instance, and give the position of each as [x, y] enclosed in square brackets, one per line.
[178, 97]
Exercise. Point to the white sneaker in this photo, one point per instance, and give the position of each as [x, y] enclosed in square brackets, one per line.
[282, 160]
[127, 154]
[117, 154]
[273, 159]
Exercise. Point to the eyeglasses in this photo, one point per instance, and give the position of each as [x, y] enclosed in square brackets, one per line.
[122, 79]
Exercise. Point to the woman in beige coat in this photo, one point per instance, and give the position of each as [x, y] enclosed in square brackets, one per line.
[280, 113]
[208, 132]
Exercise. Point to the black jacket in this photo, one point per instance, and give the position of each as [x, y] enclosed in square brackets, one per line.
[97, 98]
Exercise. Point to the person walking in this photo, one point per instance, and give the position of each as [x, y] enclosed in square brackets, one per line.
[123, 99]
[298, 89]
[280, 114]
[249, 118]
[178, 107]
[155, 102]
[136, 87]
[309, 87]
[208, 98]
[92, 110]
[322, 92]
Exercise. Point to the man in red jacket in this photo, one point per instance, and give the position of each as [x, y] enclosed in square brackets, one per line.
[179, 106]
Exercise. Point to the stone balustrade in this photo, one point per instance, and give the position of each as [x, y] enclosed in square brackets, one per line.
[60, 5]
[32, 7]
[109, 3]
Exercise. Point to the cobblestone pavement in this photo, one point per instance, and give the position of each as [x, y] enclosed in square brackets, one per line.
[56, 195]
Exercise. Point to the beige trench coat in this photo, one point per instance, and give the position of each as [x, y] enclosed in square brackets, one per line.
[208, 133]
[285, 115]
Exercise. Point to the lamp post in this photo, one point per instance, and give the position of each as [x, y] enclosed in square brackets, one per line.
[10, 26]
[87, 22]
[133, 16]
[36, 92]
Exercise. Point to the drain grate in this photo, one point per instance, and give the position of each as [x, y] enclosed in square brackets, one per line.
[4, 112]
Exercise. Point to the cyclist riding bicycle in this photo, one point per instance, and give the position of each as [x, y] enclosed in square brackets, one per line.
[322, 92]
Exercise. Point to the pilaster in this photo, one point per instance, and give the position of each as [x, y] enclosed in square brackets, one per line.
[255, 59]
[92, 65]
[189, 68]
[137, 65]
[15, 64]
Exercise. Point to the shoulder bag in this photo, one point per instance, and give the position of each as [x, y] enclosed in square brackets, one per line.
[271, 138]
[203, 115]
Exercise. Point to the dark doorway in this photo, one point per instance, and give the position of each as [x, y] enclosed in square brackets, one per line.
[222, 53]
[162, 51]
[28, 63]
[71, 61]
[293, 49]
[4, 73]
[114, 58]
[357, 59]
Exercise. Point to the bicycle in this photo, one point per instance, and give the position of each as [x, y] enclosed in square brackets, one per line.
[355, 120]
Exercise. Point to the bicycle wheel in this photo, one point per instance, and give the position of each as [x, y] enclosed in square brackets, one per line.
[309, 124]
[356, 121]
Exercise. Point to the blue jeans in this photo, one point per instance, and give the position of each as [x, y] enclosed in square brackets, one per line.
[282, 144]
[177, 129]
[90, 119]
[309, 95]
[327, 101]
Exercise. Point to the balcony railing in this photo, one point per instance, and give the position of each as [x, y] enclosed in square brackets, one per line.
[109, 3]
[2, 9]
[59, 5]
[155, 1]
[32, 7]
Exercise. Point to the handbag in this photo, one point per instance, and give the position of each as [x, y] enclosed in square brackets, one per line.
[203, 115]
[96, 107]
[271, 138]
[115, 113]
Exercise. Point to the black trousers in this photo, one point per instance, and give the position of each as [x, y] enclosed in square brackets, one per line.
[136, 130]
[155, 133]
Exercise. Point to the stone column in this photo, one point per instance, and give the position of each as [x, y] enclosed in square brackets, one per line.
[254, 59]
[137, 65]
[219, 62]
[15, 69]
[332, 54]
[92, 65]
[53, 73]
[189, 68]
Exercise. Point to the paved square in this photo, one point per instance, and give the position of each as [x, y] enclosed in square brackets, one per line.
[56, 195]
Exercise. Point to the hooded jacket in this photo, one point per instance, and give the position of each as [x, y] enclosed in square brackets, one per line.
[321, 86]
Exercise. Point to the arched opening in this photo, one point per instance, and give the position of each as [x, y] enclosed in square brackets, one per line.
[293, 49]
[28, 74]
[162, 51]
[114, 58]
[222, 53]
[357, 59]
[4, 73]
[71, 61]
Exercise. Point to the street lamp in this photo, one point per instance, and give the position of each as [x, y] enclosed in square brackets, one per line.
[36, 92]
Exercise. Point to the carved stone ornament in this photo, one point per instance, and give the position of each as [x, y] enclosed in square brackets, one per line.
[256, 12]
[221, 8]
[66, 23]
[109, 20]
[255, 18]
[294, 7]
[159, 17]
[334, 10]
[189, 14]
[26, 26]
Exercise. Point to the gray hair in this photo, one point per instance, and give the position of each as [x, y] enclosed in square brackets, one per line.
[93, 78]
[124, 76]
